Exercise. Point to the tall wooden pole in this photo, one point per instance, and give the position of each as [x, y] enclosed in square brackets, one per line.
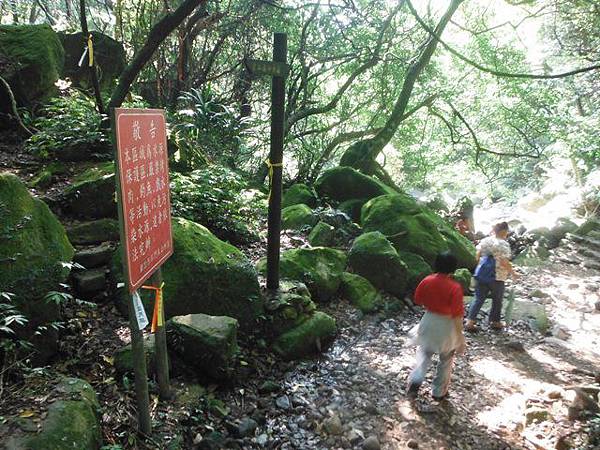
[275, 160]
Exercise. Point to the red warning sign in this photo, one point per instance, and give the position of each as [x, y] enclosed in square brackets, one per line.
[141, 138]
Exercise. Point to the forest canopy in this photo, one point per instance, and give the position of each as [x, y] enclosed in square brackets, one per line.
[467, 96]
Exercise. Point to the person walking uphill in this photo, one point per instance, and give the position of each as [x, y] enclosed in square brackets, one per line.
[493, 269]
[441, 329]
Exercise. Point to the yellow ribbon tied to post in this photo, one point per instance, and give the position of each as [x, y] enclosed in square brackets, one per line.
[271, 165]
[158, 319]
[90, 45]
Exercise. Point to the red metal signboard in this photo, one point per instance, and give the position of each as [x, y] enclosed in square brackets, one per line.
[141, 137]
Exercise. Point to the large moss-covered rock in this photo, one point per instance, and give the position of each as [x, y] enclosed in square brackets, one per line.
[123, 357]
[92, 194]
[299, 194]
[109, 58]
[373, 257]
[320, 268]
[288, 307]
[463, 276]
[353, 208]
[322, 235]
[588, 226]
[345, 183]
[417, 267]
[309, 337]
[208, 343]
[296, 217]
[416, 229]
[204, 275]
[31, 59]
[33, 248]
[72, 421]
[94, 232]
[360, 292]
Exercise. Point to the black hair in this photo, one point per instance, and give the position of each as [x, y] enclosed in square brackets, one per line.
[500, 227]
[445, 263]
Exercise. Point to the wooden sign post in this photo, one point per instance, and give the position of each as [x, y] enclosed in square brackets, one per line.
[278, 70]
[142, 179]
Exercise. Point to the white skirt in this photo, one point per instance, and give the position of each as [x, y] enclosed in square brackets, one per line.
[435, 333]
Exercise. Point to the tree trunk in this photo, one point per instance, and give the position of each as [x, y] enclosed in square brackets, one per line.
[157, 35]
[92, 68]
[362, 155]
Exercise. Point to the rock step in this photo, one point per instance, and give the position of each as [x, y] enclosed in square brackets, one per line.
[94, 257]
[589, 253]
[87, 283]
[586, 241]
[591, 264]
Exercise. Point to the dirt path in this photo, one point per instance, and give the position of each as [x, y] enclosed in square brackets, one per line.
[503, 378]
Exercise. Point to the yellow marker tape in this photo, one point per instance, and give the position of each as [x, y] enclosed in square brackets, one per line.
[270, 165]
[90, 50]
[158, 318]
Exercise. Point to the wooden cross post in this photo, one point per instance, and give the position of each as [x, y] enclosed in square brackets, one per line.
[278, 69]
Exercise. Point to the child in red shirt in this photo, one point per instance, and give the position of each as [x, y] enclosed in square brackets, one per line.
[440, 330]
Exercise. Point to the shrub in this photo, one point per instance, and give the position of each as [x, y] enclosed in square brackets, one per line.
[70, 129]
[218, 198]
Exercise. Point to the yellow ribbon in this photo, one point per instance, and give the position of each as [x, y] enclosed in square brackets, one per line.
[270, 165]
[158, 319]
[90, 45]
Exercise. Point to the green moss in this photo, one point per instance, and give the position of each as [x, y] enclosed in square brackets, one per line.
[463, 276]
[415, 229]
[289, 307]
[373, 257]
[307, 338]
[123, 357]
[33, 246]
[588, 226]
[94, 232]
[345, 183]
[320, 268]
[322, 235]
[36, 59]
[92, 193]
[296, 217]
[70, 423]
[44, 177]
[353, 208]
[360, 292]
[417, 268]
[206, 342]
[205, 275]
[297, 194]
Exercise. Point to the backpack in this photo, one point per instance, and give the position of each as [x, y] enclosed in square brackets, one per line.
[486, 269]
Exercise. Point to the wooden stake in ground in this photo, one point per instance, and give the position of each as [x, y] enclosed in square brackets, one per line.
[278, 69]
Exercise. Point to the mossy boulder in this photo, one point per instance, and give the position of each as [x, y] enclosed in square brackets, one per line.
[588, 226]
[207, 343]
[288, 307]
[562, 227]
[72, 421]
[463, 276]
[123, 357]
[345, 183]
[93, 232]
[296, 217]
[109, 58]
[310, 337]
[534, 313]
[322, 235]
[360, 292]
[320, 268]
[92, 194]
[373, 257]
[416, 229]
[33, 248]
[353, 208]
[417, 267]
[299, 194]
[204, 275]
[31, 59]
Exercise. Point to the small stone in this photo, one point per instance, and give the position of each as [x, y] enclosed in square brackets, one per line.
[262, 439]
[247, 427]
[354, 436]
[268, 387]
[370, 408]
[283, 402]
[333, 425]
[412, 444]
[516, 346]
[538, 293]
[554, 395]
[371, 443]
[537, 415]
[597, 306]
[560, 333]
